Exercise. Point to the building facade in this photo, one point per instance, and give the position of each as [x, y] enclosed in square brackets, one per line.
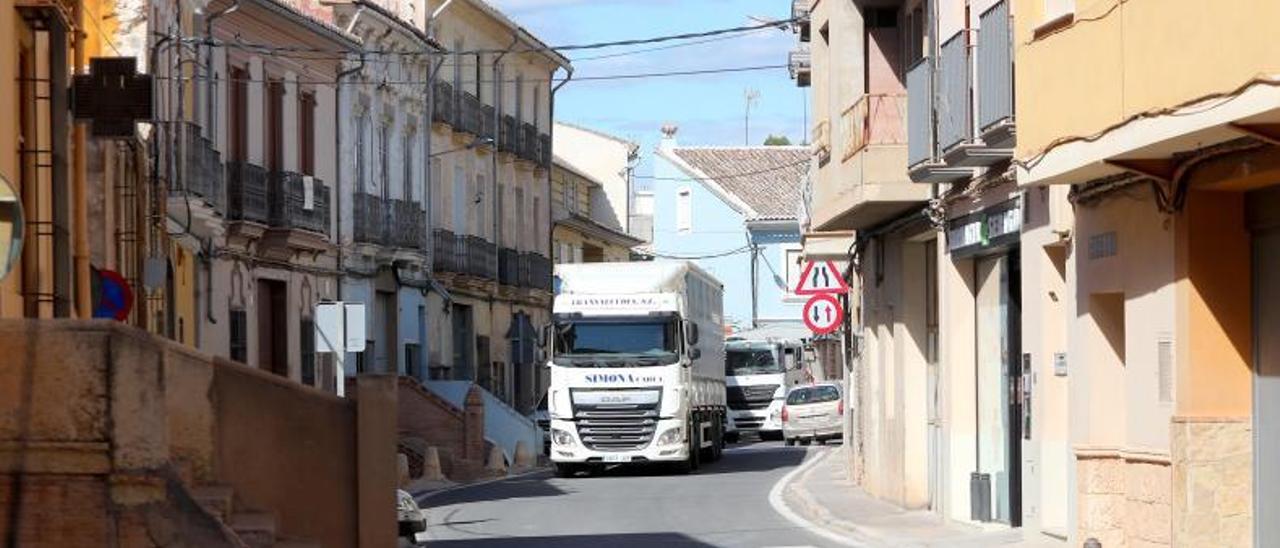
[1170, 264]
[731, 210]
[591, 189]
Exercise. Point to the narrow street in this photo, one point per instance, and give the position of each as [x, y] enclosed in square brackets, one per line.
[723, 504]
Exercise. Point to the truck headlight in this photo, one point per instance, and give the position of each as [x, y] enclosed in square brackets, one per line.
[673, 436]
[561, 437]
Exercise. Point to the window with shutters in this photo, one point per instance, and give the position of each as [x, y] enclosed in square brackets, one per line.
[307, 133]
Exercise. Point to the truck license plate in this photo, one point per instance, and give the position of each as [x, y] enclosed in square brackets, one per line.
[617, 458]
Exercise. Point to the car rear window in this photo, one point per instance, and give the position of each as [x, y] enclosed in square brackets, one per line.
[815, 394]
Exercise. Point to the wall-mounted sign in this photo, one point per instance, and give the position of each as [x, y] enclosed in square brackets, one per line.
[990, 227]
[823, 314]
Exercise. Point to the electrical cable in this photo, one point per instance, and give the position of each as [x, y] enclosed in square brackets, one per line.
[280, 51]
[716, 255]
[467, 83]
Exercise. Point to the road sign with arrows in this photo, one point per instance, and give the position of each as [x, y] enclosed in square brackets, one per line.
[821, 277]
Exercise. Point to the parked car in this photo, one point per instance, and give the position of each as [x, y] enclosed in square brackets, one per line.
[813, 412]
[412, 519]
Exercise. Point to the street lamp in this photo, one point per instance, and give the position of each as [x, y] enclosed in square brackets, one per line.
[478, 141]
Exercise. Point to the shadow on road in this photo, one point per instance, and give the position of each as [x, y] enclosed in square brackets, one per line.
[524, 487]
[636, 539]
[759, 458]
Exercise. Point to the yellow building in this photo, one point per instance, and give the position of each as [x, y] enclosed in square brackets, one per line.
[1161, 119]
[580, 235]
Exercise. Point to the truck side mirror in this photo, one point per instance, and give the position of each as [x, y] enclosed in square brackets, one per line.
[691, 333]
[11, 227]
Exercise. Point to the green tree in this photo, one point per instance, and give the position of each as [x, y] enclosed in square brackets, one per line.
[776, 140]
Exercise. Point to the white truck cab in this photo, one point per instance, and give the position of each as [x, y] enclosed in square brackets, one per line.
[637, 366]
[758, 372]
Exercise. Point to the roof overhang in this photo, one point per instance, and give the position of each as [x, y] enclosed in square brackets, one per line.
[1147, 144]
[827, 246]
[589, 227]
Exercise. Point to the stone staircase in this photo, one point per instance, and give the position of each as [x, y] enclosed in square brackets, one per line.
[255, 529]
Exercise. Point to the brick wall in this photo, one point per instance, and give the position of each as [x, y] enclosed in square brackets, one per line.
[458, 434]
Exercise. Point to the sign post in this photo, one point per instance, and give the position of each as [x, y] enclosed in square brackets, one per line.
[340, 328]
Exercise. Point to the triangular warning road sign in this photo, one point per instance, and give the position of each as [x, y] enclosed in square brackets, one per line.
[821, 277]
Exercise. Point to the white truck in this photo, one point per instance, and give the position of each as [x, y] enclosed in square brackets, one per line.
[637, 366]
[760, 366]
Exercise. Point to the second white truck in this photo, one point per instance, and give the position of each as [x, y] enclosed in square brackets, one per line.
[760, 366]
[637, 366]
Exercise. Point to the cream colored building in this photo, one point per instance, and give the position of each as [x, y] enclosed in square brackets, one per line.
[1160, 122]
[582, 233]
[591, 189]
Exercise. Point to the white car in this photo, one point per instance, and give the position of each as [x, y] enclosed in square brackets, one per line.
[813, 412]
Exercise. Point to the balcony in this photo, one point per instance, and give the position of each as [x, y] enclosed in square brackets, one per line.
[449, 250]
[878, 119]
[481, 257]
[369, 218]
[923, 162]
[800, 10]
[202, 171]
[408, 222]
[954, 117]
[487, 123]
[821, 141]
[799, 65]
[995, 77]
[509, 135]
[509, 267]
[297, 201]
[544, 148]
[469, 114]
[535, 271]
[247, 193]
[443, 111]
[868, 186]
[528, 142]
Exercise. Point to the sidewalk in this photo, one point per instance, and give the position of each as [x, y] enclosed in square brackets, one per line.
[822, 493]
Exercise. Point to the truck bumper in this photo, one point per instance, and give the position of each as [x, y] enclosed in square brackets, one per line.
[578, 453]
[756, 420]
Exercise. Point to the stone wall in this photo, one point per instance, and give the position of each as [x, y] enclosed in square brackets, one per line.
[1123, 498]
[1213, 481]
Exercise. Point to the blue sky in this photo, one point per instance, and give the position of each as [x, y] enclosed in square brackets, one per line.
[707, 108]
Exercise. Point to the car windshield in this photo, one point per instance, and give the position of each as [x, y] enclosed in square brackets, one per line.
[750, 361]
[813, 394]
[616, 343]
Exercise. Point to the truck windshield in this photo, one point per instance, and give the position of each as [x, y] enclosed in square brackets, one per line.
[750, 361]
[617, 343]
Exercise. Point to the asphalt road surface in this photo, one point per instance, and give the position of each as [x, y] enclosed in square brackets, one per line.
[723, 504]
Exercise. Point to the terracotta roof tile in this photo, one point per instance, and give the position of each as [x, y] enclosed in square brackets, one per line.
[766, 178]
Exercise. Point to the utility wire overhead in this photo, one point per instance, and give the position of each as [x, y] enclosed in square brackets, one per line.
[467, 83]
[727, 176]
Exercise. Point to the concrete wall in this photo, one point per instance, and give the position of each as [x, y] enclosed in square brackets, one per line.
[109, 413]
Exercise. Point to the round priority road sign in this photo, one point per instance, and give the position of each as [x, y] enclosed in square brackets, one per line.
[822, 314]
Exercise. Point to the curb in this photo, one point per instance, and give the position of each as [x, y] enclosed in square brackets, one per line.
[824, 526]
[424, 495]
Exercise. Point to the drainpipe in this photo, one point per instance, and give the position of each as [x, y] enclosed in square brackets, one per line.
[80, 199]
[497, 120]
[551, 128]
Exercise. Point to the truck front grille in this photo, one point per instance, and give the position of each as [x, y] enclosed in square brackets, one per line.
[616, 427]
[754, 397]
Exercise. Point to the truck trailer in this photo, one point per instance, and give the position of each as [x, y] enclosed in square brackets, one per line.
[637, 366]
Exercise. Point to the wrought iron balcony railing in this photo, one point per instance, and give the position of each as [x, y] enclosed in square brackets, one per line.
[529, 142]
[799, 65]
[369, 218]
[445, 247]
[408, 222]
[202, 171]
[509, 135]
[246, 192]
[544, 144]
[482, 258]
[298, 201]
[488, 126]
[509, 267]
[470, 114]
[443, 111]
